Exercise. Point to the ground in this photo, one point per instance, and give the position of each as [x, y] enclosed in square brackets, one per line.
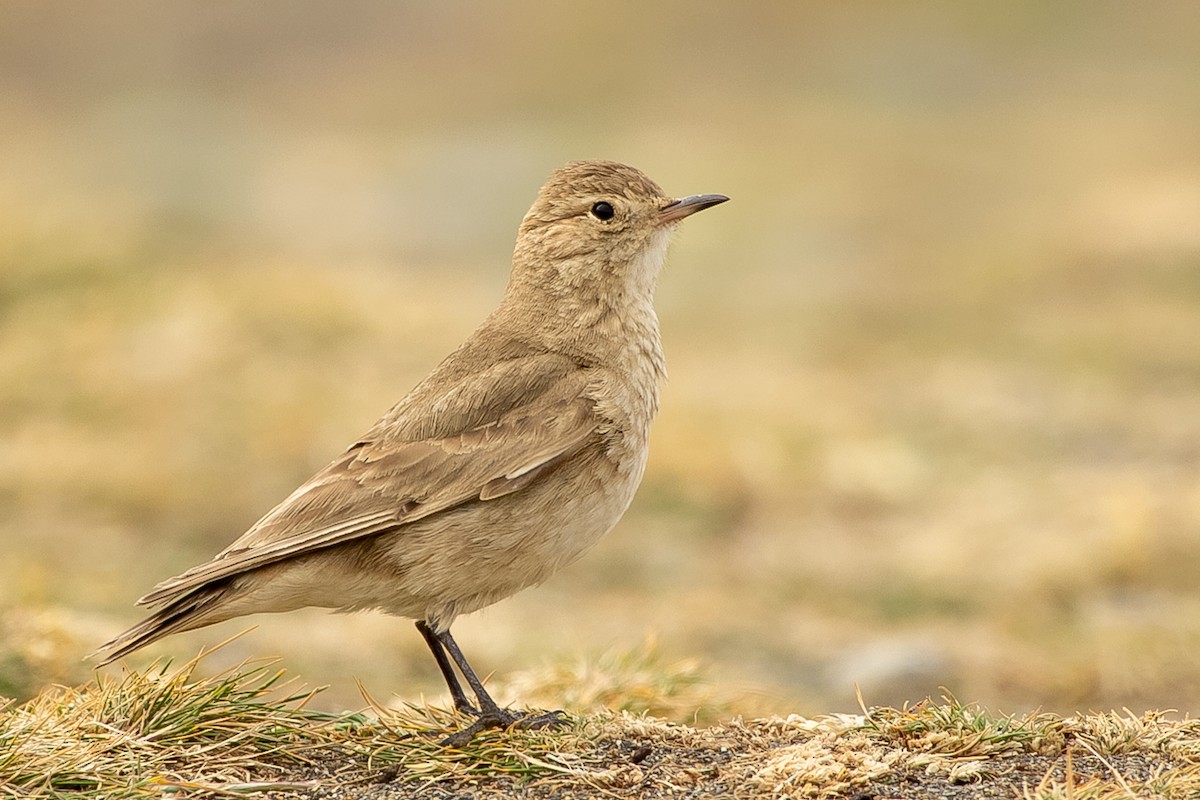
[772, 758]
[248, 732]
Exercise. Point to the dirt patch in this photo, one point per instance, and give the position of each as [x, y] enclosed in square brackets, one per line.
[639, 758]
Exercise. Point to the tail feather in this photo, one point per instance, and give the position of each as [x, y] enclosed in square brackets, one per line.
[193, 610]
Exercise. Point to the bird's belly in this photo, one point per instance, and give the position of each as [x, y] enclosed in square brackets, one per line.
[466, 558]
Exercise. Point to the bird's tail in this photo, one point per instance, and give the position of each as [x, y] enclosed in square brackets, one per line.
[193, 610]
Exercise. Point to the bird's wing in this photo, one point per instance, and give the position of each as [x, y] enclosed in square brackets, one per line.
[382, 483]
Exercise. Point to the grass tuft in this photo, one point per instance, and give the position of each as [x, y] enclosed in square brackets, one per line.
[242, 731]
[641, 680]
[954, 730]
[128, 737]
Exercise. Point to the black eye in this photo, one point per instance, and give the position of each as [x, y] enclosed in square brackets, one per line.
[603, 211]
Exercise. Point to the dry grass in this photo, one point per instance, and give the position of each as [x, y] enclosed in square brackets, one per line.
[248, 731]
[641, 680]
[932, 417]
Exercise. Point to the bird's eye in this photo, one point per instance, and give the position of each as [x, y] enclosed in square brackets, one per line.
[603, 211]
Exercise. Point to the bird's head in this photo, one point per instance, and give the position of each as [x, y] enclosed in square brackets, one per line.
[602, 226]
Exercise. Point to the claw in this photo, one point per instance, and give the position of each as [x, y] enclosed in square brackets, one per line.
[542, 721]
[505, 719]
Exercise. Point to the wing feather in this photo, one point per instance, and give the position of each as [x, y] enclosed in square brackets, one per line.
[382, 483]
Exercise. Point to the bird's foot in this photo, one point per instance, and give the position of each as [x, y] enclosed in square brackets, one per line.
[503, 718]
[541, 720]
[497, 718]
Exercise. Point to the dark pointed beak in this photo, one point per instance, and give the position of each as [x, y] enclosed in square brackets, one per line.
[686, 206]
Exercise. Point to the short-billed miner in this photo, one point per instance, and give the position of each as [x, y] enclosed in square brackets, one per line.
[512, 458]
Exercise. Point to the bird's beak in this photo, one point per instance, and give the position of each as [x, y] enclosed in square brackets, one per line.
[686, 206]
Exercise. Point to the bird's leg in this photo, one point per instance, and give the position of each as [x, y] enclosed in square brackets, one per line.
[439, 654]
[487, 706]
[489, 715]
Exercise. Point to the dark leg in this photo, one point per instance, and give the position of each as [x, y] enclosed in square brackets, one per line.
[439, 654]
[489, 715]
[487, 706]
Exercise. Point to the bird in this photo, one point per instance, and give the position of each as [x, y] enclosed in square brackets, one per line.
[514, 456]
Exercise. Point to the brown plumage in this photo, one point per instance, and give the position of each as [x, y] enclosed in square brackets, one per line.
[513, 457]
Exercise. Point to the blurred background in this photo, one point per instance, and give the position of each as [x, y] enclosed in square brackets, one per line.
[934, 409]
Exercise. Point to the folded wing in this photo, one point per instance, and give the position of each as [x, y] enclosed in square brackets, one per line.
[525, 416]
